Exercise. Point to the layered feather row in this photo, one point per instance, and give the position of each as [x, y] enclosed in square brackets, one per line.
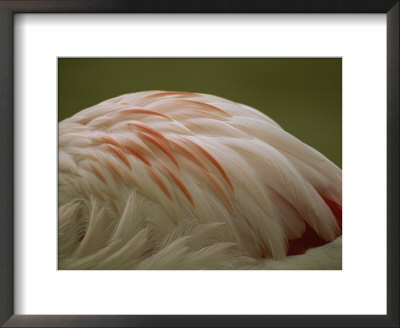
[175, 180]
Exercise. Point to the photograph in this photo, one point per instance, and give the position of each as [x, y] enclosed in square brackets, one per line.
[199, 163]
[187, 164]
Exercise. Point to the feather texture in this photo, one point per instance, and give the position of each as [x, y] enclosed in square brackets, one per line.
[176, 180]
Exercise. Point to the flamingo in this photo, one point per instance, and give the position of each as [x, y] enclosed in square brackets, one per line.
[181, 180]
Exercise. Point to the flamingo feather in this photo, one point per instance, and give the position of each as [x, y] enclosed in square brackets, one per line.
[178, 180]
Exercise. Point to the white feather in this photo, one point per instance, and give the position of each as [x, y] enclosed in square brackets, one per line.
[171, 180]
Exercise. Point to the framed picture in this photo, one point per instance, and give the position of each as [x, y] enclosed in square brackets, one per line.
[228, 122]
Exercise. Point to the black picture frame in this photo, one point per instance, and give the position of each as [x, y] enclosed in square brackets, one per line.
[11, 7]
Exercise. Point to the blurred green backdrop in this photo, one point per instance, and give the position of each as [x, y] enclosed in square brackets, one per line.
[303, 95]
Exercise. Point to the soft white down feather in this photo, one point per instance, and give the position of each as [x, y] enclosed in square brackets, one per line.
[177, 180]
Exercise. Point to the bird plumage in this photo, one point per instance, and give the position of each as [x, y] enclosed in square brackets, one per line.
[177, 180]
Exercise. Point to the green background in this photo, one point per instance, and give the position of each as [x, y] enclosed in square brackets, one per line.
[304, 95]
